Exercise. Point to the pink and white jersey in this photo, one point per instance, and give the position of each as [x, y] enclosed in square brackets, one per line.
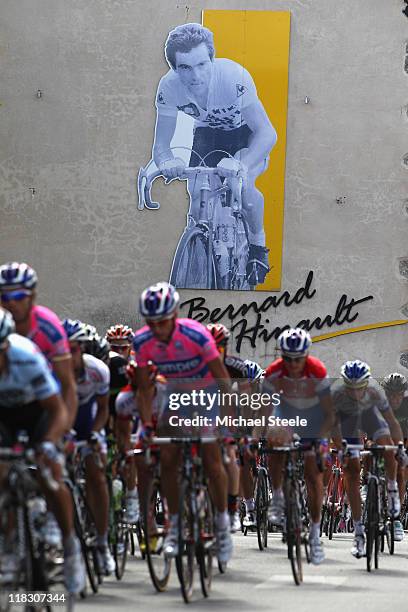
[47, 333]
[299, 393]
[190, 349]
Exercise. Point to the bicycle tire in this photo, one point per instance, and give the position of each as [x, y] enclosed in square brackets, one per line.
[293, 531]
[205, 546]
[239, 281]
[121, 545]
[261, 505]
[36, 578]
[372, 518]
[159, 565]
[88, 554]
[189, 269]
[332, 507]
[390, 535]
[185, 558]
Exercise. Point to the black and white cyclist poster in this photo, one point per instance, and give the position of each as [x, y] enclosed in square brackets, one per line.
[221, 126]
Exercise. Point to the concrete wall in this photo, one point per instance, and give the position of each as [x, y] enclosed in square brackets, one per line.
[80, 144]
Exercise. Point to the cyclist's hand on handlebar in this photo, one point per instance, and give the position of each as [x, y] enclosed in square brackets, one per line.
[231, 167]
[172, 168]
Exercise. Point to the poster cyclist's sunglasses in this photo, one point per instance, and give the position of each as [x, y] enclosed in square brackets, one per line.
[292, 359]
[15, 296]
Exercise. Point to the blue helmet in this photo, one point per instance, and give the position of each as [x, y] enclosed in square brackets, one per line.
[159, 301]
[355, 373]
[295, 342]
[253, 371]
[75, 330]
[17, 275]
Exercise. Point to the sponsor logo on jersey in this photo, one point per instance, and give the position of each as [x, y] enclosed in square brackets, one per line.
[241, 89]
[190, 109]
[160, 98]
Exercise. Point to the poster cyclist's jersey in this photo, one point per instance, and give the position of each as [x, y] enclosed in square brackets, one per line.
[299, 393]
[27, 377]
[47, 333]
[231, 89]
[186, 355]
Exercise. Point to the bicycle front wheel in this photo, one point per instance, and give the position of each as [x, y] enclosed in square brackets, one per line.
[155, 521]
[293, 531]
[186, 549]
[205, 546]
[372, 518]
[261, 504]
[191, 267]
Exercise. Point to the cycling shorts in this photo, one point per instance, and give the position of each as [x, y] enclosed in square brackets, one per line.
[222, 142]
[31, 418]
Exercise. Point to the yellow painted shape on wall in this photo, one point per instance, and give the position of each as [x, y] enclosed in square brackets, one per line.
[259, 41]
[353, 330]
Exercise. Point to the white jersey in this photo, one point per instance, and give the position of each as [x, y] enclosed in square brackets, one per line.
[231, 89]
[27, 377]
[94, 381]
[126, 404]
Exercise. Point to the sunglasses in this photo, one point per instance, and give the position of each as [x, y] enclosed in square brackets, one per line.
[120, 347]
[15, 296]
[292, 359]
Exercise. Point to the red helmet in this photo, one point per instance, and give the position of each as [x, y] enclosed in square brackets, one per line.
[220, 333]
[119, 332]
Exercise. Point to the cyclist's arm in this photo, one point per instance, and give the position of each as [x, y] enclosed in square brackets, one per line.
[57, 421]
[64, 371]
[395, 427]
[102, 414]
[220, 373]
[326, 403]
[165, 128]
[145, 394]
[263, 137]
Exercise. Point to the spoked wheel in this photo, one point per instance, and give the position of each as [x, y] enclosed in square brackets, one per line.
[389, 532]
[155, 520]
[120, 544]
[293, 531]
[239, 278]
[332, 506]
[261, 504]
[323, 521]
[186, 549]
[191, 267]
[372, 518]
[207, 537]
[87, 540]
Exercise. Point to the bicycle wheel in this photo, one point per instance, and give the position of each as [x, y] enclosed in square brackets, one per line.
[85, 538]
[186, 549]
[206, 543]
[240, 256]
[293, 530]
[190, 268]
[35, 575]
[371, 515]
[332, 505]
[261, 505]
[155, 520]
[389, 525]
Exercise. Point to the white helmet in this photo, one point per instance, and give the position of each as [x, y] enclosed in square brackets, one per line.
[295, 342]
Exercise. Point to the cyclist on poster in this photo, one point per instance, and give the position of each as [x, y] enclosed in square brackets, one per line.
[231, 130]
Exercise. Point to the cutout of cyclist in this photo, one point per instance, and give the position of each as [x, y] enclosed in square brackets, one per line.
[229, 120]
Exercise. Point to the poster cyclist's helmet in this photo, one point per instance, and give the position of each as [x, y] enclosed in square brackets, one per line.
[220, 333]
[17, 275]
[253, 371]
[295, 342]
[119, 332]
[355, 373]
[395, 383]
[7, 326]
[159, 301]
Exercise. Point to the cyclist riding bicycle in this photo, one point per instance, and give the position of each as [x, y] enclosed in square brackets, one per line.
[301, 380]
[362, 408]
[395, 386]
[18, 283]
[30, 401]
[92, 377]
[229, 121]
[120, 340]
[181, 349]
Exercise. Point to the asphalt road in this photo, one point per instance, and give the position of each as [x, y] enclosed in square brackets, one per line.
[263, 581]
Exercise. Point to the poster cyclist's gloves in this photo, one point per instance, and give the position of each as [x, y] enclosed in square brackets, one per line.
[172, 168]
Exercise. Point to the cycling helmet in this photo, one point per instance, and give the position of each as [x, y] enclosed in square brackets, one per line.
[17, 275]
[159, 301]
[355, 373]
[253, 371]
[295, 342]
[98, 347]
[220, 333]
[7, 326]
[119, 332]
[75, 330]
[395, 383]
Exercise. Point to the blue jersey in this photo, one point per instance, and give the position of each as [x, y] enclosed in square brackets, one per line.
[27, 377]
